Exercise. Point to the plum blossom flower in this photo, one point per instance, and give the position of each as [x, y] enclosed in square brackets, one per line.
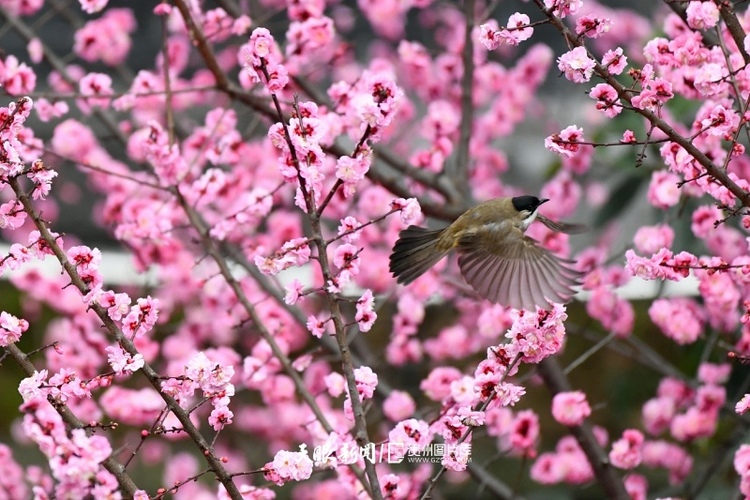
[411, 212]
[563, 8]
[16, 77]
[720, 121]
[367, 381]
[651, 239]
[399, 405]
[615, 61]
[524, 432]
[93, 6]
[570, 408]
[663, 191]
[293, 292]
[121, 361]
[680, 319]
[410, 435]
[743, 404]
[518, 29]
[702, 15]
[592, 27]
[365, 316]
[576, 65]
[626, 452]
[566, 143]
[607, 100]
[292, 465]
[11, 328]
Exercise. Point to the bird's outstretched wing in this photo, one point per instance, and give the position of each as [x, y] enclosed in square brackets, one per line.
[562, 227]
[507, 267]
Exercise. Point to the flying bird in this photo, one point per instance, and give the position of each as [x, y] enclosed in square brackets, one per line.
[496, 258]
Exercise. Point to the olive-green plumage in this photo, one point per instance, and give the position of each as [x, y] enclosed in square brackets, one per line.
[495, 256]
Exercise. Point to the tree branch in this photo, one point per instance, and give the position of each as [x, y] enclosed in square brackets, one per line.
[555, 380]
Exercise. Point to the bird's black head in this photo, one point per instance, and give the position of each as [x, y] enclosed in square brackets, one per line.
[527, 203]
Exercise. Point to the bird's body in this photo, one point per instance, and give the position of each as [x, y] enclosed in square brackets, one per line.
[495, 256]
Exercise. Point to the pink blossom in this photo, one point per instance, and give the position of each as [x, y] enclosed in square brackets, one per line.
[518, 29]
[294, 291]
[607, 100]
[351, 171]
[141, 318]
[678, 318]
[669, 456]
[720, 121]
[489, 36]
[702, 15]
[715, 374]
[411, 434]
[107, 38]
[592, 27]
[614, 61]
[346, 257]
[463, 391]
[84, 257]
[524, 432]
[122, 361]
[655, 94]
[367, 381]
[509, 394]
[742, 460]
[336, 384]
[33, 387]
[636, 486]
[260, 46]
[613, 312]
[651, 239]
[743, 404]
[570, 408]
[93, 6]
[411, 212]
[663, 191]
[117, 304]
[11, 328]
[548, 469]
[538, 335]
[16, 78]
[563, 8]
[626, 452]
[437, 385]
[349, 229]
[365, 316]
[220, 417]
[292, 466]
[710, 79]
[398, 406]
[628, 137]
[576, 65]
[566, 143]
[317, 326]
[658, 414]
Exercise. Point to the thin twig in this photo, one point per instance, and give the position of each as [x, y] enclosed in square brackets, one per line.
[460, 171]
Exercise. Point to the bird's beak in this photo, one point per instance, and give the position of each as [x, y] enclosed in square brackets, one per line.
[543, 201]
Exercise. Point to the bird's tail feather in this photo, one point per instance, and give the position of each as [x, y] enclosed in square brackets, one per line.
[414, 253]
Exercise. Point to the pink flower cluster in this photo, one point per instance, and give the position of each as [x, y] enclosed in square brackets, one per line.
[517, 31]
[218, 213]
[288, 466]
[261, 62]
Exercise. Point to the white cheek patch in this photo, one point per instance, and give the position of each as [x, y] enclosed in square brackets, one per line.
[528, 220]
